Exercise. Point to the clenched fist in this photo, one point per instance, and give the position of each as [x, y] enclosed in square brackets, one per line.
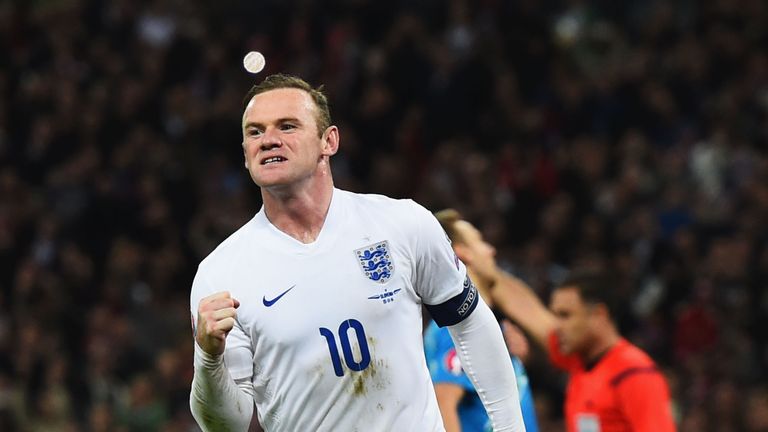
[215, 318]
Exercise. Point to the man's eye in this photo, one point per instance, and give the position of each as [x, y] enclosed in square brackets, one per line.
[254, 132]
[287, 126]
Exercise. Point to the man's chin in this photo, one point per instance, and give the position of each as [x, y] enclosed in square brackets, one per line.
[270, 182]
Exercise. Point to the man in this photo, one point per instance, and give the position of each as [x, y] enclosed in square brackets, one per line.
[614, 386]
[312, 310]
[459, 403]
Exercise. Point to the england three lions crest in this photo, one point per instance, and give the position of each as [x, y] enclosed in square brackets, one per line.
[376, 262]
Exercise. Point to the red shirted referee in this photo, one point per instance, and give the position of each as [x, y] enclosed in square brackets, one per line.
[614, 386]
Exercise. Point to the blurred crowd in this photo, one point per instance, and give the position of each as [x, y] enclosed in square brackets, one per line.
[632, 135]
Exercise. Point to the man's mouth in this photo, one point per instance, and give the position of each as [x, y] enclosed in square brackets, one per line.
[273, 159]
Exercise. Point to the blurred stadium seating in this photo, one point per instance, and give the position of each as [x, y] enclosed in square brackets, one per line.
[632, 135]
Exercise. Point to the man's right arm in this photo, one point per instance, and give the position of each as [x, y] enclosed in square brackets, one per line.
[217, 401]
[517, 301]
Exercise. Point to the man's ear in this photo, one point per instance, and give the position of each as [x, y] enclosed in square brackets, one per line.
[245, 156]
[601, 310]
[330, 141]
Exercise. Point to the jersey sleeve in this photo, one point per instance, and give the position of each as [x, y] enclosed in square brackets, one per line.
[570, 363]
[439, 277]
[439, 274]
[238, 354]
[644, 399]
[443, 361]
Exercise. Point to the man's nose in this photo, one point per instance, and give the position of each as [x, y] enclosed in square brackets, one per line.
[270, 139]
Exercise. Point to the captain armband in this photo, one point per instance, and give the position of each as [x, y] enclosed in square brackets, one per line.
[454, 310]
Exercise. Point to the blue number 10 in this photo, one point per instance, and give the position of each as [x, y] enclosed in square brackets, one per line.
[346, 348]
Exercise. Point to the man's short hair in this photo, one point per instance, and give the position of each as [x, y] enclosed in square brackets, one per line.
[283, 81]
[448, 219]
[594, 286]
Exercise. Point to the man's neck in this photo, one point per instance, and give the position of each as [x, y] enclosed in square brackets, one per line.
[299, 213]
[601, 346]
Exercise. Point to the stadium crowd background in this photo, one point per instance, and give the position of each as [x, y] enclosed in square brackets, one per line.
[627, 134]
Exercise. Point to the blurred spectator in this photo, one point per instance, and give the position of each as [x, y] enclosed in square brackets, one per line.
[569, 131]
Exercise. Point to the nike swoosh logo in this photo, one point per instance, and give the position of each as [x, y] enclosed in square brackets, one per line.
[269, 303]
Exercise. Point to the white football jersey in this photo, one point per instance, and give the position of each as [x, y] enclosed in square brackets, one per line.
[329, 332]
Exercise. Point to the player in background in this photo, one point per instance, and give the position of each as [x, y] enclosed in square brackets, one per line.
[460, 405]
[613, 385]
[312, 309]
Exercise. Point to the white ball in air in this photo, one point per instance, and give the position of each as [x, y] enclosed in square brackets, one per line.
[254, 62]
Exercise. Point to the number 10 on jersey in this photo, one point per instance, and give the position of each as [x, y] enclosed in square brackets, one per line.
[346, 348]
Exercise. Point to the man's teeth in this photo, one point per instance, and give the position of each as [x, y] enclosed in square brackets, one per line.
[273, 159]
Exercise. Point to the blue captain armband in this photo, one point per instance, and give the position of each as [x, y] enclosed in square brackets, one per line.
[454, 310]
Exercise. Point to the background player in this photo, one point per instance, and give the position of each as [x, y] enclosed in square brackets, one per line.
[613, 385]
[460, 405]
[329, 286]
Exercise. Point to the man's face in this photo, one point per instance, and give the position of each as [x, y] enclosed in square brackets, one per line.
[280, 138]
[574, 320]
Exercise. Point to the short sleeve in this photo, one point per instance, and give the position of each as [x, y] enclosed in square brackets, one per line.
[644, 399]
[438, 273]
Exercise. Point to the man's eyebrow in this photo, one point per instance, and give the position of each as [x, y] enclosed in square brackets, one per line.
[278, 121]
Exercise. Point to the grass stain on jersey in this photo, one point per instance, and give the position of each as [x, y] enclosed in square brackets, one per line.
[358, 388]
[371, 377]
[319, 370]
